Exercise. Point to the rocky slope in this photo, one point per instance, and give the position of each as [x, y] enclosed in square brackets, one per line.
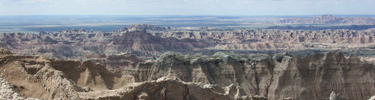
[170, 88]
[280, 76]
[173, 76]
[329, 19]
[7, 91]
[148, 45]
[38, 77]
[278, 39]
[78, 45]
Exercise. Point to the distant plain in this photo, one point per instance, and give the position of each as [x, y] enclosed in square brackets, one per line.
[55, 23]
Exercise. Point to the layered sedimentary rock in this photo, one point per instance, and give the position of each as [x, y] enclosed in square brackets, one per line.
[77, 45]
[311, 77]
[279, 39]
[148, 45]
[170, 88]
[37, 77]
[121, 61]
[172, 76]
[33, 79]
[315, 76]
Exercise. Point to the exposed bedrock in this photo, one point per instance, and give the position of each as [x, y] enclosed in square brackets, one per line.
[173, 76]
[38, 77]
[311, 77]
[148, 44]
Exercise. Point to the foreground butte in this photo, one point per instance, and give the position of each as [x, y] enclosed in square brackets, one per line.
[191, 77]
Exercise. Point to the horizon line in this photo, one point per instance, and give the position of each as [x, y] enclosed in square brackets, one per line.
[194, 15]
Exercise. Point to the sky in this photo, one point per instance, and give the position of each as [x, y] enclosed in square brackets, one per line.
[187, 7]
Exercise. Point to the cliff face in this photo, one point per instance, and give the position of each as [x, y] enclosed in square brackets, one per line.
[311, 77]
[142, 41]
[38, 77]
[121, 61]
[35, 78]
[172, 76]
[171, 89]
[315, 76]
[28, 77]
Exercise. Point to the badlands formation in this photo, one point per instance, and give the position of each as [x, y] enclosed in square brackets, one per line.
[147, 41]
[173, 76]
[145, 62]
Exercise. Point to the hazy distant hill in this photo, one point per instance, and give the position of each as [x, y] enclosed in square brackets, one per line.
[329, 19]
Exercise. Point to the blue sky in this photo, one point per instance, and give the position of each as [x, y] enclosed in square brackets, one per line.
[186, 7]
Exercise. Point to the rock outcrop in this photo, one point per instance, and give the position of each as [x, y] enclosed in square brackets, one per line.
[121, 61]
[310, 77]
[172, 76]
[150, 44]
[76, 45]
[170, 89]
[37, 77]
[283, 76]
[7, 91]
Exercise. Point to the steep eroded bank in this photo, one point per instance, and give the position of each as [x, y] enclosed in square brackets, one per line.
[220, 76]
[280, 76]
